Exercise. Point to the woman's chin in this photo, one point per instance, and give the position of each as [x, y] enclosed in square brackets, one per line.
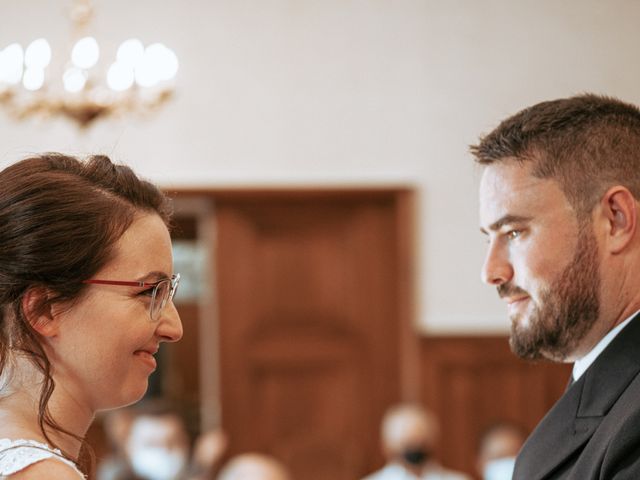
[128, 396]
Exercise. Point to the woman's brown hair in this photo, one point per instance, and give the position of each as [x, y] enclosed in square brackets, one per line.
[60, 219]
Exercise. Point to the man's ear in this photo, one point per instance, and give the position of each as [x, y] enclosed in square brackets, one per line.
[38, 312]
[619, 208]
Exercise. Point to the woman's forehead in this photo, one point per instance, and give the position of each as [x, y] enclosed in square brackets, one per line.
[143, 249]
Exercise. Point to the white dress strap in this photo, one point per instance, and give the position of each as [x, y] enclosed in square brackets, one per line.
[16, 455]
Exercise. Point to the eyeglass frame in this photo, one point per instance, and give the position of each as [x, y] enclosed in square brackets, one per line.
[174, 282]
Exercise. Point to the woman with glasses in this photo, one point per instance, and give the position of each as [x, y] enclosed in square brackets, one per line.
[86, 298]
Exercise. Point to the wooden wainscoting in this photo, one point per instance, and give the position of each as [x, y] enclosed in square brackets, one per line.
[472, 382]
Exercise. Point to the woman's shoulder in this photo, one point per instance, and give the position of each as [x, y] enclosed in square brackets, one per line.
[29, 459]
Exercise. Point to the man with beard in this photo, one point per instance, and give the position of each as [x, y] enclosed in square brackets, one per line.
[559, 205]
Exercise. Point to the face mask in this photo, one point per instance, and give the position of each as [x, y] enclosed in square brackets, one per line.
[500, 469]
[156, 463]
[415, 456]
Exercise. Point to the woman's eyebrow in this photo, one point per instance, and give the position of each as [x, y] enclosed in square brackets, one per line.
[154, 276]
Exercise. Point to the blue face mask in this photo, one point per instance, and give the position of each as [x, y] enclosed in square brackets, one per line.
[499, 469]
[158, 463]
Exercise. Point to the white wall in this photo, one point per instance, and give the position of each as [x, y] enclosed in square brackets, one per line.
[367, 92]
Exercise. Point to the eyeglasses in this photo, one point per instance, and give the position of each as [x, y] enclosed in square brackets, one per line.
[161, 293]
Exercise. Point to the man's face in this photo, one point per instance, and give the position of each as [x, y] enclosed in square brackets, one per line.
[542, 261]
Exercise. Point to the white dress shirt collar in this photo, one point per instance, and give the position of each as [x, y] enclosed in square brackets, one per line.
[581, 365]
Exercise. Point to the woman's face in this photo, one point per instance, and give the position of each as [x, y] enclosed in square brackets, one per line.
[102, 352]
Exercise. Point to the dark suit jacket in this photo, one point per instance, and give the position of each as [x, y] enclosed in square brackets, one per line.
[593, 431]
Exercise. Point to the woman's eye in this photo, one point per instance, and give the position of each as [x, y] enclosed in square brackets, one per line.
[147, 293]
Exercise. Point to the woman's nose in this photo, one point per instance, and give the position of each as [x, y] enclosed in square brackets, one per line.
[170, 325]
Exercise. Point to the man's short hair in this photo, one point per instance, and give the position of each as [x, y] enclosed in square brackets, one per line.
[587, 143]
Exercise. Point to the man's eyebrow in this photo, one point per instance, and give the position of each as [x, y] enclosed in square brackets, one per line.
[506, 220]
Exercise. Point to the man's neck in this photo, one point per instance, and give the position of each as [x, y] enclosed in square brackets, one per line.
[583, 363]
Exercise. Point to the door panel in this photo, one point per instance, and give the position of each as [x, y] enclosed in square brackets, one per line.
[310, 327]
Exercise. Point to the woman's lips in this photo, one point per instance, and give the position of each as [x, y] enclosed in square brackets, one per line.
[147, 358]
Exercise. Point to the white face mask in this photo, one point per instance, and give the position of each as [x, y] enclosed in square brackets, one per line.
[157, 463]
[499, 469]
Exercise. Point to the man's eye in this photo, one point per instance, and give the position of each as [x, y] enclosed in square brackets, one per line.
[147, 293]
[513, 234]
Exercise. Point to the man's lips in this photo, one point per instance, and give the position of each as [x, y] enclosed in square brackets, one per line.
[511, 293]
[515, 300]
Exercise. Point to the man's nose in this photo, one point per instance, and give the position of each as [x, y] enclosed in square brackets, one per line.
[497, 268]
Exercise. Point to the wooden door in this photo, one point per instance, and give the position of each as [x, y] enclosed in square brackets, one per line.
[313, 292]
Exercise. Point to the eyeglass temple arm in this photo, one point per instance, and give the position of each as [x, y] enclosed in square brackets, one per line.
[119, 282]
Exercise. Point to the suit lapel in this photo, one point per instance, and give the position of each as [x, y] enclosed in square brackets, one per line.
[575, 417]
[555, 438]
[611, 373]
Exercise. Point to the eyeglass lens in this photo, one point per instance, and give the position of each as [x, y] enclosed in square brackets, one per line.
[164, 291]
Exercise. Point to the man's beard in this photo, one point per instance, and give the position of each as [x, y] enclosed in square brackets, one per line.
[567, 309]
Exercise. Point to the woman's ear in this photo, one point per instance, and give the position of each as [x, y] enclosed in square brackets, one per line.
[37, 311]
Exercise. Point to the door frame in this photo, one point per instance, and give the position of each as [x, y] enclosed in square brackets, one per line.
[200, 203]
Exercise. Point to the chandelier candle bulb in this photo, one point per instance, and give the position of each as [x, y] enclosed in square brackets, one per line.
[38, 54]
[33, 78]
[130, 52]
[158, 64]
[11, 64]
[164, 62]
[85, 53]
[74, 80]
[120, 77]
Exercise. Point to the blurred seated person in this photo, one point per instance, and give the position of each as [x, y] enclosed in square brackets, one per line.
[153, 442]
[116, 424]
[253, 466]
[499, 445]
[158, 445]
[409, 436]
[208, 449]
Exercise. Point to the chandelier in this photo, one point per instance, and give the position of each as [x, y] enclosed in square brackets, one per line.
[137, 80]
